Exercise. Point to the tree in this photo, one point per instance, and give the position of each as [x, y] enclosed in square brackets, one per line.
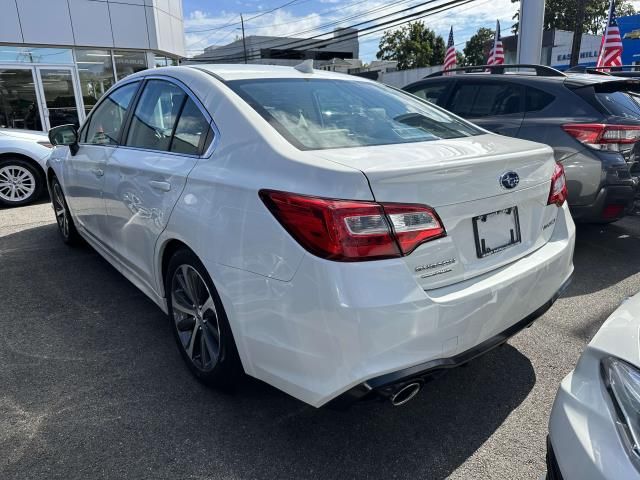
[412, 46]
[561, 14]
[476, 51]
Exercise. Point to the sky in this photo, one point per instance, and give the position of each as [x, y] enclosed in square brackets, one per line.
[216, 22]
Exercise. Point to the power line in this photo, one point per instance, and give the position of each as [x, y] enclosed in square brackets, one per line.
[304, 41]
[335, 22]
[367, 31]
[291, 2]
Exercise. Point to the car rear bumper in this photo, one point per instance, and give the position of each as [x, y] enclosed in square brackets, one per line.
[385, 385]
[611, 203]
[337, 325]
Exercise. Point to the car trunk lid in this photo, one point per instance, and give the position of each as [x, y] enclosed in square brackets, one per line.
[461, 179]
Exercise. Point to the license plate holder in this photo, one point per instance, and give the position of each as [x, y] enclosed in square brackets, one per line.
[496, 231]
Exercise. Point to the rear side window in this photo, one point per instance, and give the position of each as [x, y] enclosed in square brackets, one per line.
[432, 92]
[327, 113]
[537, 100]
[155, 116]
[106, 121]
[622, 103]
[486, 99]
[192, 131]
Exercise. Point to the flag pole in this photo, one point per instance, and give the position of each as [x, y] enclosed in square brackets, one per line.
[604, 34]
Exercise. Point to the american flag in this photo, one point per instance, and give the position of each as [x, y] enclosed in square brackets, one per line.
[496, 57]
[611, 48]
[450, 54]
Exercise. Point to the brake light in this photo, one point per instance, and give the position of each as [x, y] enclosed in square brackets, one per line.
[604, 137]
[559, 192]
[352, 230]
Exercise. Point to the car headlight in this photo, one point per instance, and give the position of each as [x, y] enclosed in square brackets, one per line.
[623, 383]
[45, 144]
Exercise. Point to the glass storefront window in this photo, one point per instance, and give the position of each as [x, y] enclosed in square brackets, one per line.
[18, 101]
[129, 62]
[59, 96]
[95, 70]
[10, 54]
[161, 61]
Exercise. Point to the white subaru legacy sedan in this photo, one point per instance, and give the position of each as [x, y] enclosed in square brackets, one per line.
[329, 235]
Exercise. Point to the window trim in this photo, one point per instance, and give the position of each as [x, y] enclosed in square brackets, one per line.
[461, 82]
[212, 125]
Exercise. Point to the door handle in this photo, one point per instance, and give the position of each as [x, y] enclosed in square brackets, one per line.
[98, 172]
[162, 186]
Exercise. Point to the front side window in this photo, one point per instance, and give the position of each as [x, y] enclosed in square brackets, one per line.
[432, 92]
[475, 100]
[105, 123]
[155, 116]
[323, 113]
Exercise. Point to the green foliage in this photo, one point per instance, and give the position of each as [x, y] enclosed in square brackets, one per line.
[476, 51]
[412, 46]
[561, 14]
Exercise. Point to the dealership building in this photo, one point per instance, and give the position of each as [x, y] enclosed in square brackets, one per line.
[58, 57]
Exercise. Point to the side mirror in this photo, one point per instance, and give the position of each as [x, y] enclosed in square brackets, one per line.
[65, 135]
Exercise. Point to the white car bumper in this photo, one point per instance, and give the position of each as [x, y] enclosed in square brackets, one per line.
[335, 326]
[582, 430]
[585, 441]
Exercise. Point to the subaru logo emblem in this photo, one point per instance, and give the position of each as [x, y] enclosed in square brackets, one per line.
[509, 180]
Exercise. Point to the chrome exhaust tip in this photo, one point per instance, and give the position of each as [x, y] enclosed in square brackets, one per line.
[405, 394]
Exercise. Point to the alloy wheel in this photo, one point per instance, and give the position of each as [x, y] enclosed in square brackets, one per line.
[195, 317]
[59, 207]
[16, 183]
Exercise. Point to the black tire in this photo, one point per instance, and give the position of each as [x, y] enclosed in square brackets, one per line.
[29, 176]
[198, 330]
[66, 227]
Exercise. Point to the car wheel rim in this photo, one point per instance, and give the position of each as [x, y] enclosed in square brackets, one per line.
[16, 183]
[195, 317]
[59, 207]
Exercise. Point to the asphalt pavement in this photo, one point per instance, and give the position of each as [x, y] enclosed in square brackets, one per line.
[92, 385]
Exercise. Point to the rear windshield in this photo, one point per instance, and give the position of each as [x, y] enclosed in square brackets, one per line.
[621, 103]
[315, 114]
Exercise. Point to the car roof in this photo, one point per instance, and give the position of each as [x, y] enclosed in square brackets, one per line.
[256, 71]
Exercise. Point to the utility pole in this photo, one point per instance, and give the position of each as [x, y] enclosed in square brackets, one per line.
[244, 43]
[577, 33]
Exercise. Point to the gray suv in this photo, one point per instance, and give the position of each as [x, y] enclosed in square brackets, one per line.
[592, 122]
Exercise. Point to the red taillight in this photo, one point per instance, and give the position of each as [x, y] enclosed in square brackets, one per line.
[602, 136]
[350, 230]
[558, 193]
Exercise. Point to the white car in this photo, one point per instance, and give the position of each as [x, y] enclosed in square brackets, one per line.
[329, 235]
[23, 155]
[594, 430]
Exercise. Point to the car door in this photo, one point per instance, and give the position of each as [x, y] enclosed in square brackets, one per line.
[497, 106]
[167, 132]
[83, 173]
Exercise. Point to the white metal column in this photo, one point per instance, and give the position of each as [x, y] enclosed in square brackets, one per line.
[530, 31]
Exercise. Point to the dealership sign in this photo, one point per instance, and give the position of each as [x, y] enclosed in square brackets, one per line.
[561, 50]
